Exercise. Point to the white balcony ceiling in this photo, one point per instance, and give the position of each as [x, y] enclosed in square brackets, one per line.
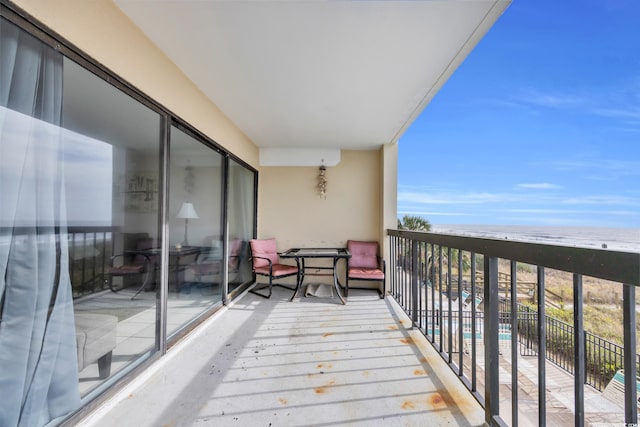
[315, 74]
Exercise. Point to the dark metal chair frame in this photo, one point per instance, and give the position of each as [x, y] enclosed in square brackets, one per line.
[271, 284]
[145, 272]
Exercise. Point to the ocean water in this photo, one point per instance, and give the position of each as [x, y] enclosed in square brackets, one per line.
[618, 239]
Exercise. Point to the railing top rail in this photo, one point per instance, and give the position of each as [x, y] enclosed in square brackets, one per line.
[24, 230]
[617, 266]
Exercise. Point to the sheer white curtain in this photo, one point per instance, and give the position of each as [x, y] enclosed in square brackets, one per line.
[241, 209]
[38, 360]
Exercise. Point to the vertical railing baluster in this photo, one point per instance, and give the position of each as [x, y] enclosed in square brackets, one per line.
[407, 290]
[630, 373]
[579, 350]
[474, 385]
[491, 388]
[514, 343]
[394, 266]
[542, 350]
[403, 292]
[403, 252]
[414, 281]
[396, 271]
[440, 326]
[427, 274]
[72, 261]
[460, 319]
[433, 292]
[423, 284]
[83, 275]
[449, 310]
[93, 257]
[420, 281]
[399, 271]
[103, 263]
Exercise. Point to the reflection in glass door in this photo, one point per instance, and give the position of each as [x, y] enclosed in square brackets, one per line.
[79, 173]
[195, 230]
[241, 214]
[112, 170]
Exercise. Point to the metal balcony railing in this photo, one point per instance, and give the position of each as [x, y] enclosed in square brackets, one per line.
[89, 249]
[469, 321]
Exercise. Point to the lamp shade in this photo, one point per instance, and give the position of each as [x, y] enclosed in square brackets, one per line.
[187, 211]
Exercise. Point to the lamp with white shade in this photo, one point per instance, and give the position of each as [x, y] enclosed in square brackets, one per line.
[187, 212]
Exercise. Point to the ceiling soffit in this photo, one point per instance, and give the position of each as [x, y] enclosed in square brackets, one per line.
[342, 75]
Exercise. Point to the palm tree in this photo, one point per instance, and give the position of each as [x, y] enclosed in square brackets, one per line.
[414, 223]
[418, 223]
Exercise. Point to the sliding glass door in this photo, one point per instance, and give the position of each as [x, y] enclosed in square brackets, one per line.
[242, 222]
[195, 229]
[79, 191]
[83, 267]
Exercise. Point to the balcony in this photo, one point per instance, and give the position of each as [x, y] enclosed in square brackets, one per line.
[308, 362]
[394, 361]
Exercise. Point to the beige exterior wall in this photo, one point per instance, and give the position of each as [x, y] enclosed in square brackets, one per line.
[290, 207]
[389, 185]
[102, 31]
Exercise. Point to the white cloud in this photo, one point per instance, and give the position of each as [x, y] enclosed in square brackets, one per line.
[603, 200]
[539, 186]
[541, 211]
[454, 198]
[549, 100]
[624, 113]
[544, 208]
[430, 213]
[553, 211]
[599, 166]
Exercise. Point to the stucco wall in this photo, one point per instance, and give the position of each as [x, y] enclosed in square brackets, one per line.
[102, 31]
[290, 207]
[389, 184]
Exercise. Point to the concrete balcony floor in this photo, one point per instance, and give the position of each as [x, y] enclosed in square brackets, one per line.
[313, 361]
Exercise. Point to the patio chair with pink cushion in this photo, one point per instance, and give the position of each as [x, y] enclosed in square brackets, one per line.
[266, 262]
[134, 263]
[365, 265]
[207, 268]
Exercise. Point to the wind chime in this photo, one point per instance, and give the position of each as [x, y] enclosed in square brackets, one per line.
[322, 181]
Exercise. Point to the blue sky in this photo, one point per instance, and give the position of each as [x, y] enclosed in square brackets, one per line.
[540, 125]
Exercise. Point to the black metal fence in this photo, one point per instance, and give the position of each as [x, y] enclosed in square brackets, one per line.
[423, 281]
[603, 357]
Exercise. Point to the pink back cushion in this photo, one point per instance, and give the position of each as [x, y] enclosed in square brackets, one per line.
[266, 249]
[363, 254]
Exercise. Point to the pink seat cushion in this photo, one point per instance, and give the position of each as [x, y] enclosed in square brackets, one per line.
[265, 248]
[277, 270]
[366, 273]
[363, 254]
